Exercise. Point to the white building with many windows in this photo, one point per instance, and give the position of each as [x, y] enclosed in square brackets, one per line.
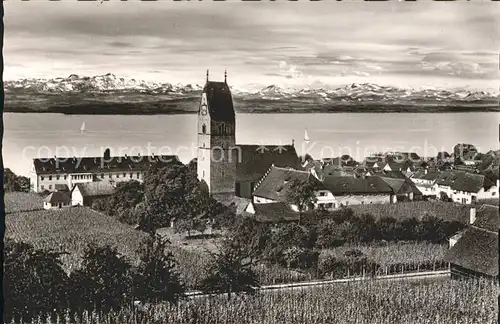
[46, 174]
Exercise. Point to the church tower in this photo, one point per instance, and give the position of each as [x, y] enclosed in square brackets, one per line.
[217, 152]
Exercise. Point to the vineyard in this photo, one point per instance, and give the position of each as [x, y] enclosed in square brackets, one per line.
[22, 202]
[370, 302]
[70, 230]
[390, 258]
[417, 209]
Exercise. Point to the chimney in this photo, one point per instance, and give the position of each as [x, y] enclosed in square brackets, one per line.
[472, 215]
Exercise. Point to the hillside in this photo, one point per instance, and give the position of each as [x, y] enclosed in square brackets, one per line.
[70, 230]
[108, 94]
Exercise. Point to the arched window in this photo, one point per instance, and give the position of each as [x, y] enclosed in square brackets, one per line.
[204, 129]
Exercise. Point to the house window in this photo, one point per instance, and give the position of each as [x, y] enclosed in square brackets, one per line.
[117, 175]
[50, 177]
[238, 189]
[131, 175]
[124, 175]
[138, 174]
[57, 177]
[50, 187]
[322, 193]
[41, 178]
[102, 175]
[42, 187]
[493, 193]
[65, 177]
[328, 205]
[110, 176]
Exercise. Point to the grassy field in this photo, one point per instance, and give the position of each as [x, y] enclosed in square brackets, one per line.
[22, 201]
[440, 301]
[71, 229]
[409, 254]
[493, 201]
[417, 209]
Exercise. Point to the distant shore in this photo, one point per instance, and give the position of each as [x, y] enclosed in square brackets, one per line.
[173, 109]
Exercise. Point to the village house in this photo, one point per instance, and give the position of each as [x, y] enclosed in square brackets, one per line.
[464, 187]
[84, 194]
[405, 167]
[275, 186]
[57, 199]
[46, 174]
[425, 182]
[356, 190]
[276, 212]
[474, 252]
[403, 188]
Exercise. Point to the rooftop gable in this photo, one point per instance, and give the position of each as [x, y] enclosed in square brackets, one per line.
[476, 250]
[352, 185]
[276, 184]
[256, 160]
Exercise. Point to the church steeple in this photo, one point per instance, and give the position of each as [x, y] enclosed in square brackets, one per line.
[207, 75]
[225, 76]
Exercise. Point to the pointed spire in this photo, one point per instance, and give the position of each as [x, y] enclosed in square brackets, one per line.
[293, 142]
[207, 75]
[225, 76]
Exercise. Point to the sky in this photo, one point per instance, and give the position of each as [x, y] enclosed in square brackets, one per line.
[300, 44]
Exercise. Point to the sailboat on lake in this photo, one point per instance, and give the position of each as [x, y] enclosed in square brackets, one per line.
[306, 137]
[82, 128]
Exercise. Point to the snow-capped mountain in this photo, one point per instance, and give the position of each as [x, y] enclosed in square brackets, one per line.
[99, 83]
[352, 93]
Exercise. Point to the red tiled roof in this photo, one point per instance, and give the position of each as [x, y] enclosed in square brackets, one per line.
[256, 160]
[277, 182]
[352, 185]
[57, 197]
[63, 165]
[476, 250]
[273, 213]
[487, 217]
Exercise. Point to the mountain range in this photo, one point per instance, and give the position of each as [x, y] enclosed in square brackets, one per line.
[109, 94]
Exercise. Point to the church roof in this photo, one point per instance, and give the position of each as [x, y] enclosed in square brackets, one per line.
[220, 102]
[256, 160]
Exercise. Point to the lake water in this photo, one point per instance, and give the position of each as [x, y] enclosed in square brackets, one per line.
[44, 135]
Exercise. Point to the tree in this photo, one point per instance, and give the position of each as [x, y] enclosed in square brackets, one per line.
[252, 236]
[366, 228]
[300, 258]
[169, 192]
[15, 183]
[332, 234]
[230, 271]
[104, 282]
[202, 211]
[193, 166]
[302, 195]
[124, 200]
[460, 150]
[156, 279]
[33, 281]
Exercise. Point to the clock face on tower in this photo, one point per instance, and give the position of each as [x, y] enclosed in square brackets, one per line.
[203, 110]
